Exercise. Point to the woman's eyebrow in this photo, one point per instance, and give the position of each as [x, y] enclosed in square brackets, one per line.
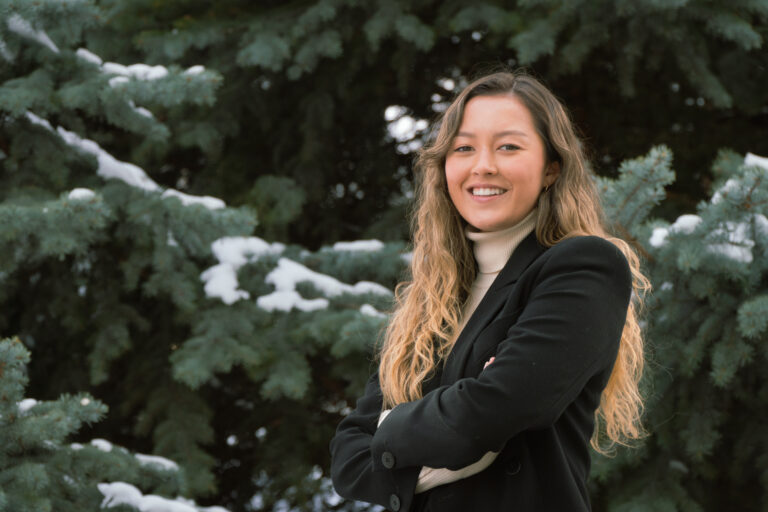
[495, 135]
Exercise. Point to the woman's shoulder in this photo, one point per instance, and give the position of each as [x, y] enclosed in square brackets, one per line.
[585, 244]
[587, 250]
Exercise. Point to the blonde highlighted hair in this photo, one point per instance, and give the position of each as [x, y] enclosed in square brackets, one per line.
[428, 306]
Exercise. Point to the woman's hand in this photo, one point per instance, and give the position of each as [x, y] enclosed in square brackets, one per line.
[488, 362]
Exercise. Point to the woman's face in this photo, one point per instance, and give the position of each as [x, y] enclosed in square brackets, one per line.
[496, 167]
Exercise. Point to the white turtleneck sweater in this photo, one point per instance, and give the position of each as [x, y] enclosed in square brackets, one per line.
[492, 250]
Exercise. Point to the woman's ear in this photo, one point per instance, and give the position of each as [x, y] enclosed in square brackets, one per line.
[551, 173]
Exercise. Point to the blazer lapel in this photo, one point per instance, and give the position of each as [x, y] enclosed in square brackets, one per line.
[523, 255]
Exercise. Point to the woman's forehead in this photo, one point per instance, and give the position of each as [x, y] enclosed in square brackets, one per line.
[498, 114]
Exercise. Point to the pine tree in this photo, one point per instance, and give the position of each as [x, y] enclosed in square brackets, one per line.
[41, 472]
[706, 383]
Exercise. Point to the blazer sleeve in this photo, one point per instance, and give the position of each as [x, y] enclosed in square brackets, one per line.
[568, 331]
[352, 472]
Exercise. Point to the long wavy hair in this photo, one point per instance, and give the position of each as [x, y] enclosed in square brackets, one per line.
[427, 309]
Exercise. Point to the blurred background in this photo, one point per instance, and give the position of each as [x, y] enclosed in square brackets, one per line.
[203, 214]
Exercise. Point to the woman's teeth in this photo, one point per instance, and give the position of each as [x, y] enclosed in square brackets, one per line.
[487, 191]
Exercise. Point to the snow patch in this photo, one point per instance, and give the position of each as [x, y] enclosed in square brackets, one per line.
[156, 460]
[739, 243]
[369, 310]
[119, 493]
[138, 71]
[194, 70]
[730, 185]
[239, 250]
[759, 161]
[23, 28]
[232, 253]
[122, 493]
[221, 281]
[102, 444]
[289, 273]
[289, 299]
[118, 80]
[39, 121]
[684, 224]
[80, 194]
[359, 245]
[212, 203]
[140, 110]
[5, 52]
[89, 56]
[658, 237]
[110, 167]
[26, 404]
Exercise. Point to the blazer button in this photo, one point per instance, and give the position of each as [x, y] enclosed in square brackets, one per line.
[388, 460]
[513, 467]
[394, 503]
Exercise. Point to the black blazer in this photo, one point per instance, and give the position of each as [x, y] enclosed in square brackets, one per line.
[553, 318]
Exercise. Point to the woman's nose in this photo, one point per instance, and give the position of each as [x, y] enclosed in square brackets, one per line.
[485, 163]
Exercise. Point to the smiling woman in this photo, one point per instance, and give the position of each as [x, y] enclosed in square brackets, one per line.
[516, 341]
[498, 164]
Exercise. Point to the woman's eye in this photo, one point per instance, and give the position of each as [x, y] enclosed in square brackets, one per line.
[509, 147]
[463, 149]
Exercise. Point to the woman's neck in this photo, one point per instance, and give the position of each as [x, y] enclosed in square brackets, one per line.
[493, 248]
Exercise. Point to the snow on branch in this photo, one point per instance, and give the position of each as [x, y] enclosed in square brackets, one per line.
[759, 161]
[110, 167]
[80, 194]
[233, 252]
[133, 71]
[156, 460]
[121, 493]
[5, 52]
[289, 273]
[684, 224]
[359, 245]
[369, 310]
[138, 71]
[734, 240]
[23, 28]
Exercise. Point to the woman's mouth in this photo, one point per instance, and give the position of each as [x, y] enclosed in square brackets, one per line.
[487, 191]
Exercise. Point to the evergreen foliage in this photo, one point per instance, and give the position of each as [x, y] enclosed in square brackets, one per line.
[706, 382]
[236, 357]
[305, 85]
[40, 472]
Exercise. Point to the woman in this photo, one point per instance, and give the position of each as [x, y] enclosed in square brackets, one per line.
[516, 335]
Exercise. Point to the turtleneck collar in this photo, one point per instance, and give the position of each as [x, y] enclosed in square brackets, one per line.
[493, 248]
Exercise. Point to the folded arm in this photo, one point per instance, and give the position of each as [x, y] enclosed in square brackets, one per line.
[433, 477]
[352, 470]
